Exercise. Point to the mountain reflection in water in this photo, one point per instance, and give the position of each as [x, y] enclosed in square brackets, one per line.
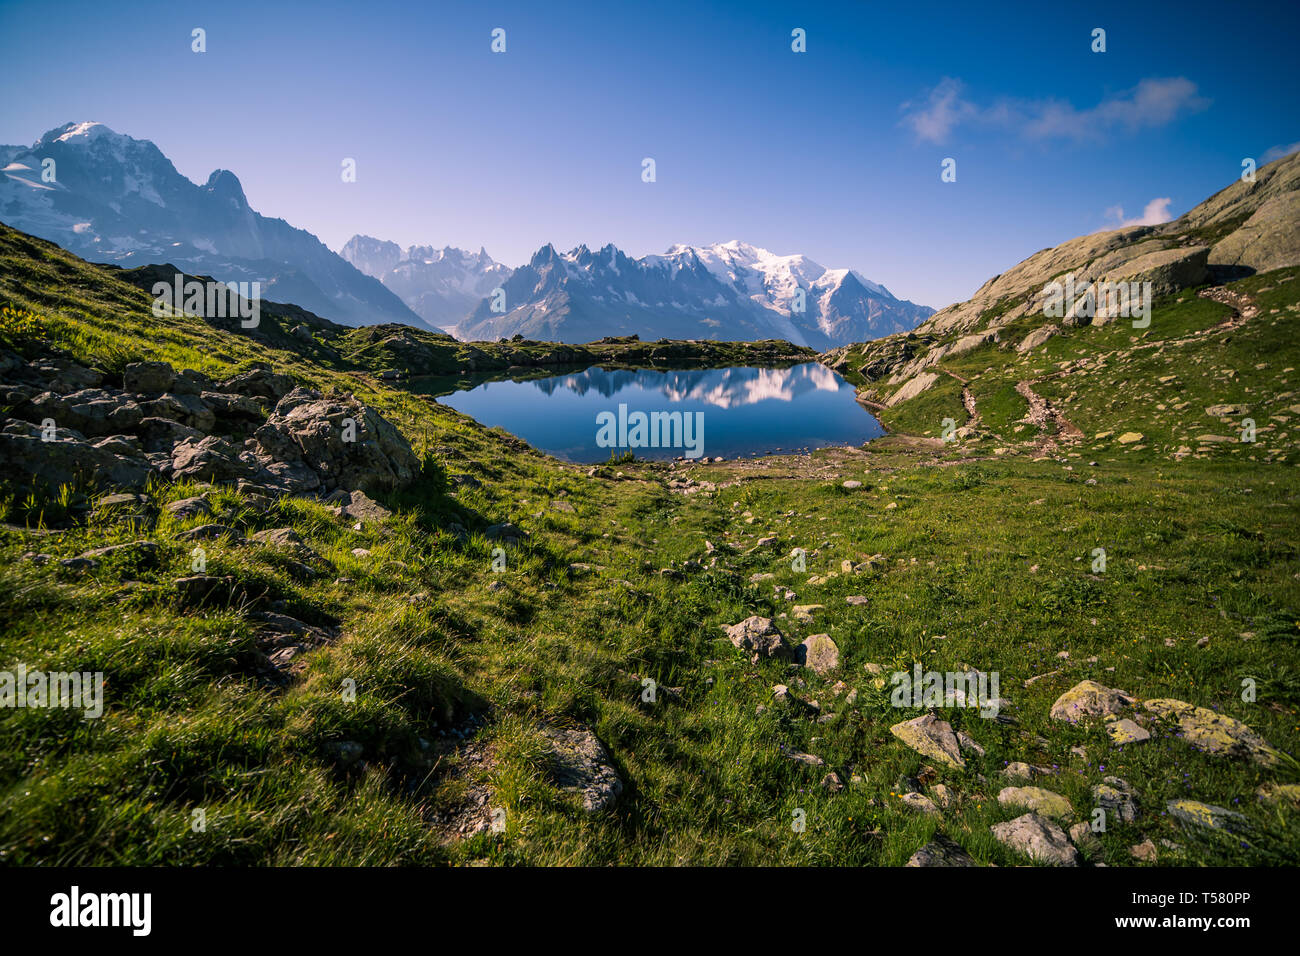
[747, 411]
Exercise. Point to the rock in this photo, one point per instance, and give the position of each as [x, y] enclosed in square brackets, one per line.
[1214, 733]
[1206, 815]
[1127, 732]
[932, 737]
[912, 387]
[1090, 699]
[361, 507]
[188, 410]
[940, 851]
[1018, 770]
[759, 636]
[918, 802]
[942, 796]
[28, 462]
[851, 484]
[580, 764]
[344, 752]
[190, 507]
[1144, 851]
[1116, 796]
[1037, 799]
[149, 378]
[856, 600]
[820, 653]
[832, 782]
[1128, 438]
[208, 532]
[314, 442]
[1081, 835]
[768, 542]
[1038, 838]
[804, 612]
[260, 382]
[231, 406]
[808, 760]
[1038, 337]
[201, 590]
[967, 743]
[285, 538]
[1225, 411]
[94, 412]
[163, 434]
[1287, 794]
[209, 459]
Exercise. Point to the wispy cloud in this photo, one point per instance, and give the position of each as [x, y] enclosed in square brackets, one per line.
[1277, 152]
[1153, 102]
[1154, 213]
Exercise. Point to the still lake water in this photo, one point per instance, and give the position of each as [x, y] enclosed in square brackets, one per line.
[742, 411]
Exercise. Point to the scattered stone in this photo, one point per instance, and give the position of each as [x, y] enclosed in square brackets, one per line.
[856, 600]
[918, 802]
[1115, 795]
[941, 851]
[190, 507]
[832, 782]
[1206, 815]
[1144, 852]
[1284, 793]
[820, 653]
[580, 764]
[851, 484]
[759, 636]
[1129, 438]
[1081, 835]
[804, 612]
[1038, 838]
[1126, 731]
[931, 737]
[1090, 699]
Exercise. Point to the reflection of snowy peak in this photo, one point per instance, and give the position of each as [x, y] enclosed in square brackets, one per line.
[439, 285]
[116, 199]
[722, 388]
[726, 291]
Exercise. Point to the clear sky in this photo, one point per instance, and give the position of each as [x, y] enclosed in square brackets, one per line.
[834, 152]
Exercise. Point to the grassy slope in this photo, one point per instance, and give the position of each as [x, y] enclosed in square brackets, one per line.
[984, 563]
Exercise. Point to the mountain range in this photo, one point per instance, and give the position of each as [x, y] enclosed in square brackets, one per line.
[116, 199]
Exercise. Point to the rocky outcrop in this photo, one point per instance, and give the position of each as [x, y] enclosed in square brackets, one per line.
[73, 429]
[317, 443]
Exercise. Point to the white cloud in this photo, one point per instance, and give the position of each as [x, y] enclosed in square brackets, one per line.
[1153, 102]
[944, 108]
[1153, 214]
[1277, 152]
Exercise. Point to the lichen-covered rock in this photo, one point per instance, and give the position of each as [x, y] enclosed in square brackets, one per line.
[580, 764]
[931, 737]
[315, 442]
[820, 653]
[1090, 699]
[1213, 733]
[1205, 815]
[759, 636]
[1115, 796]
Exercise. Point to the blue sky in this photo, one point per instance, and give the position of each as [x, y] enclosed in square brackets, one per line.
[834, 153]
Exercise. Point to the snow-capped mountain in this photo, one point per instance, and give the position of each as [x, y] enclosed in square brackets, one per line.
[727, 291]
[440, 285]
[117, 199]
